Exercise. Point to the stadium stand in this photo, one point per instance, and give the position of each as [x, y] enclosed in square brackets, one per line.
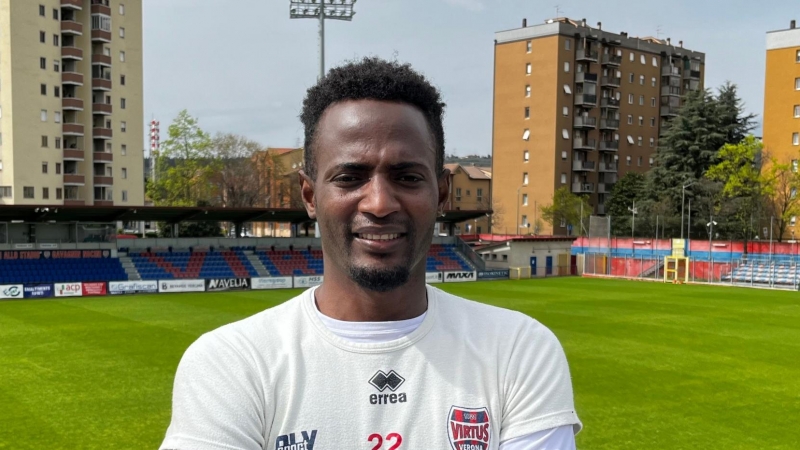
[161, 265]
[765, 273]
[61, 270]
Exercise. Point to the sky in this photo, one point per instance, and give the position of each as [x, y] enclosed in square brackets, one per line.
[243, 66]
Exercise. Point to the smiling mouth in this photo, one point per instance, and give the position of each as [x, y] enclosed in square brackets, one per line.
[379, 237]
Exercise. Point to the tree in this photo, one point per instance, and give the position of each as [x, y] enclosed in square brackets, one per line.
[739, 172]
[780, 196]
[734, 124]
[184, 166]
[566, 208]
[630, 188]
[245, 175]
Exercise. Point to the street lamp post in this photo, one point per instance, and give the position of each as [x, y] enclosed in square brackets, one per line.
[710, 225]
[321, 10]
[683, 199]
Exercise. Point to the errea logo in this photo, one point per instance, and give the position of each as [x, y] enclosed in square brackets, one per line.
[382, 381]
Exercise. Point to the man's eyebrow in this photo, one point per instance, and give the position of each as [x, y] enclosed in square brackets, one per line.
[357, 167]
[406, 165]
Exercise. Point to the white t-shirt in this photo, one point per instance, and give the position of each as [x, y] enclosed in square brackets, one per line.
[468, 377]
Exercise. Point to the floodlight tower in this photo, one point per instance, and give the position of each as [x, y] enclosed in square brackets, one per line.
[321, 10]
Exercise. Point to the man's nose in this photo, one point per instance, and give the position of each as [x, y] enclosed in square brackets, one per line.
[379, 198]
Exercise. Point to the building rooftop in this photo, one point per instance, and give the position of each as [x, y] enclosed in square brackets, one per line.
[789, 37]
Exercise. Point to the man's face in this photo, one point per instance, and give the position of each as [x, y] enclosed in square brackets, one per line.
[376, 192]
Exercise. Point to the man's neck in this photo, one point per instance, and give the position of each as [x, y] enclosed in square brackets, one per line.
[339, 297]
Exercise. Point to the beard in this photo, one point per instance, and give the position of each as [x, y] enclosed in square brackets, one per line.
[379, 279]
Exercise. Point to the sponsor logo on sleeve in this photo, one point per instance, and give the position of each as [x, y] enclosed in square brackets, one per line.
[11, 291]
[469, 428]
[271, 283]
[227, 284]
[303, 440]
[458, 277]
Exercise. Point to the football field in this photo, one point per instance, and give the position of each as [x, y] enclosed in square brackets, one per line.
[654, 366]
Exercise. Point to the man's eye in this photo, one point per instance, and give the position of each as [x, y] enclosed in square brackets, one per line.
[410, 178]
[345, 179]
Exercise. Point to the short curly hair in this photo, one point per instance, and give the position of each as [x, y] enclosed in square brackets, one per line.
[376, 79]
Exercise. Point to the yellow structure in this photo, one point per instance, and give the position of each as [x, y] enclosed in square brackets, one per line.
[676, 266]
[782, 98]
[71, 114]
[470, 189]
[576, 106]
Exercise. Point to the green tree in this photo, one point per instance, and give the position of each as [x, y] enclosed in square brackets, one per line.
[630, 188]
[184, 166]
[566, 208]
[734, 124]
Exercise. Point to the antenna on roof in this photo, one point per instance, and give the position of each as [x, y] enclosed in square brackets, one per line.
[558, 11]
[658, 32]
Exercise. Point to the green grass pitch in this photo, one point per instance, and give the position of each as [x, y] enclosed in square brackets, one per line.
[654, 366]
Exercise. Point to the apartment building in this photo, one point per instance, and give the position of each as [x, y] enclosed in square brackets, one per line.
[578, 106]
[470, 190]
[782, 95]
[71, 118]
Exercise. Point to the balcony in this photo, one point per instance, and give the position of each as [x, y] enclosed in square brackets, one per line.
[674, 91]
[582, 188]
[72, 129]
[610, 81]
[99, 59]
[612, 60]
[584, 144]
[70, 27]
[609, 124]
[101, 84]
[103, 157]
[101, 35]
[691, 74]
[103, 109]
[586, 55]
[583, 166]
[609, 102]
[101, 133]
[609, 146]
[103, 181]
[73, 154]
[100, 8]
[74, 53]
[587, 100]
[74, 179]
[72, 104]
[609, 167]
[586, 77]
[669, 111]
[72, 4]
[586, 122]
[670, 71]
[77, 201]
[605, 188]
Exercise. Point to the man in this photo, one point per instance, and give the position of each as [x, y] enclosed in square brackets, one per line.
[373, 358]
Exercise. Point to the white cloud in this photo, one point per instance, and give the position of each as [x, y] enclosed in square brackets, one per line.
[472, 5]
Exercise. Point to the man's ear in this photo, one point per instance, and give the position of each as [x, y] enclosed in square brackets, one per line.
[307, 194]
[444, 188]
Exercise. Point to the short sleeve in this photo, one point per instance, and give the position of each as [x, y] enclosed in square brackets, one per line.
[537, 386]
[217, 400]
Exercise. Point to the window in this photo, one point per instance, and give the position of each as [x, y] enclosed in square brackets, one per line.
[5, 192]
[795, 138]
[57, 66]
[44, 141]
[653, 102]
[57, 91]
[27, 192]
[633, 56]
[123, 126]
[55, 40]
[652, 121]
[630, 139]
[121, 9]
[45, 193]
[630, 119]
[55, 14]
[528, 46]
[641, 100]
[458, 194]
[524, 222]
[526, 156]
[58, 142]
[124, 196]
[630, 99]
[639, 141]
[57, 116]
[467, 191]
[479, 194]
[655, 61]
[525, 178]
[630, 77]
[653, 81]
[797, 57]
[528, 68]
[568, 44]
[794, 165]
[641, 80]
[122, 32]
[639, 161]
[526, 134]
[59, 194]
[652, 142]
[122, 56]
[527, 88]
[524, 199]
[563, 155]
[122, 103]
[101, 23]
[122, 81]
[567, 89]
[628, 160]
[43, 89]
[651, 161]
[41, 10]
[796, 111]
[44, 167]
[565, 111]
[797, 83]
[642, 59]
[58, 168]
[563, 222]
[566, 66]
[123, 149]
[43, 63]
[793, 221]
[42, 36]
[563, 178]
[641, 121]
[527, 109]
[565, 133]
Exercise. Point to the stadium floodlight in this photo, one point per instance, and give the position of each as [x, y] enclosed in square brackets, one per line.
[321, 10]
